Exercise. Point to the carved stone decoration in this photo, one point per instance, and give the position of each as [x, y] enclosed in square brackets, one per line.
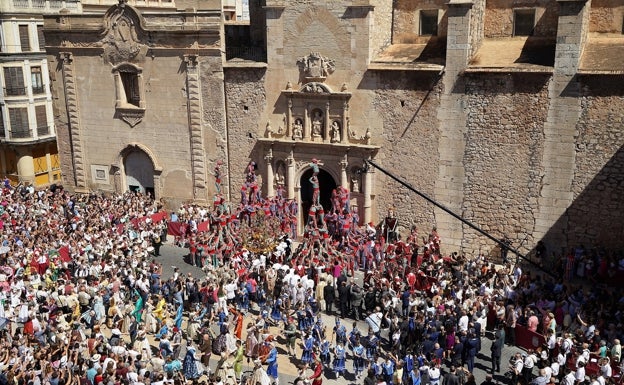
[193, 90]
[317, 88]
[132, 116]
[122, 42]
[316, 67]
[73, 112]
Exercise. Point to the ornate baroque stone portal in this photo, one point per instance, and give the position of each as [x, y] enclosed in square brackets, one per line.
[316, 123]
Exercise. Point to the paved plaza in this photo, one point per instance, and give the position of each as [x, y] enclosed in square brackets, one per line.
[174, 256]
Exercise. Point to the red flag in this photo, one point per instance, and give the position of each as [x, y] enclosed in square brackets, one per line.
[64, 254]
[203, 226]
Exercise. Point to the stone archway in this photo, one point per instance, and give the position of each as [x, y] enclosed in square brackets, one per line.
[139, 172]
[326, 184]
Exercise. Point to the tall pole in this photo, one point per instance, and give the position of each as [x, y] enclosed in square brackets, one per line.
[456, 216]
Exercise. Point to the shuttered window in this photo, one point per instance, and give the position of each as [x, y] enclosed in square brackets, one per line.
[42, 120]
[14, 81]
[41, 38]
[24, 38]
[19, 122]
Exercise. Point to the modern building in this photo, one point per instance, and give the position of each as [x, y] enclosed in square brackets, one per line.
[506, 112]
[28, 151]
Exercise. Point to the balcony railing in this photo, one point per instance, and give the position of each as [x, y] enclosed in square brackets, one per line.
[245, 53]
[38, 6]
[43, 130]
[134, 3]
[20, 134]
[38, 90]
[14, 91]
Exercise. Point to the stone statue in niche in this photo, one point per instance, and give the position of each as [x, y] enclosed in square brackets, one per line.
[355, 183]
[317, 125]
[280, 175]
[335, 132]
[297, 130]
[269, 130]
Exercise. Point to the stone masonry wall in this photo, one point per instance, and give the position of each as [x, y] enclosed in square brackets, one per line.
[407, 20]
[499, 17]
[504, 144]
[595, 217]
[245, 102]
[606, 16]
[382, 26]
[408, 104]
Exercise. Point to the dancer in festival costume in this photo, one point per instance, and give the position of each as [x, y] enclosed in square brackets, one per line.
[340, 355]
[271, 361]
[308, 349]
[358, 357]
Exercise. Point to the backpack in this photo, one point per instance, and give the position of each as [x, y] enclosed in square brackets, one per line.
[218, 344]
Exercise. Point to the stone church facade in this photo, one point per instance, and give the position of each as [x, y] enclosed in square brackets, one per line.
[508, 113]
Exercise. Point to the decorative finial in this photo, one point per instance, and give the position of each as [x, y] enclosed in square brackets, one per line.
[344, 87]
[289, 86]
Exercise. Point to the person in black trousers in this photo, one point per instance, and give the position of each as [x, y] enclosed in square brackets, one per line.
[497, 350]
[329, 294]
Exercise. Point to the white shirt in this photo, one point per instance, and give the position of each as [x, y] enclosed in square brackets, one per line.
[463, 323]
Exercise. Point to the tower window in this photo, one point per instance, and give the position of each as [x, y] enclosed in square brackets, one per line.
[130, 83]
[429, 22]
[524, 22]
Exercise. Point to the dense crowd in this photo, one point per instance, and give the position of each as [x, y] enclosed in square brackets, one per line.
[84, 299]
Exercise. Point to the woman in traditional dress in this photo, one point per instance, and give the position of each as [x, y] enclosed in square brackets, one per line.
[339, 359]
[358, 357]
[189, 366]
[308, 347]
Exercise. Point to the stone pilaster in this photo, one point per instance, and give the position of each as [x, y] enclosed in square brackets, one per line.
[560, 127]
[270, 190]
[344, 181]
[449, 186]
[368, 191]
[194, 103]
[73, 120]
[290, 176]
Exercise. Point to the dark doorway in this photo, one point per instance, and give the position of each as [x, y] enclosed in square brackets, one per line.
[326, 185]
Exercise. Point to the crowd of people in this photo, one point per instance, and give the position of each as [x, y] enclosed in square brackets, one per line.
[84, 300]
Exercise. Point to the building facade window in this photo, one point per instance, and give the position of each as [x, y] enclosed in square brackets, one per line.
[42, 120]
[129, 85]
[41, 38]
[18, 118]
[2, 132]
[24, 38]
[36, 80]
[14, 81]
[429, 22]
[524, 22]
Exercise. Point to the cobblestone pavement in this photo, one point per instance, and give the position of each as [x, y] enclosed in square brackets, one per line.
[174, 256]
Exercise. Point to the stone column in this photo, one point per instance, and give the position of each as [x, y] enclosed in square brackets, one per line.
[559, 159]
[368, 191]
[73, 122]
[307, 123]
[290, 175]
[194, 105]
[269, 176]
[327, 123]
[289, 120]
[25, 165]
[345, 118]
[344, 180]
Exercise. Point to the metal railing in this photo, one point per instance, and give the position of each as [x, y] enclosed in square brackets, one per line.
[20, 134]
[43, 130]
[246, 53]
[38, 89]
[14, 91]
[37, 6]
